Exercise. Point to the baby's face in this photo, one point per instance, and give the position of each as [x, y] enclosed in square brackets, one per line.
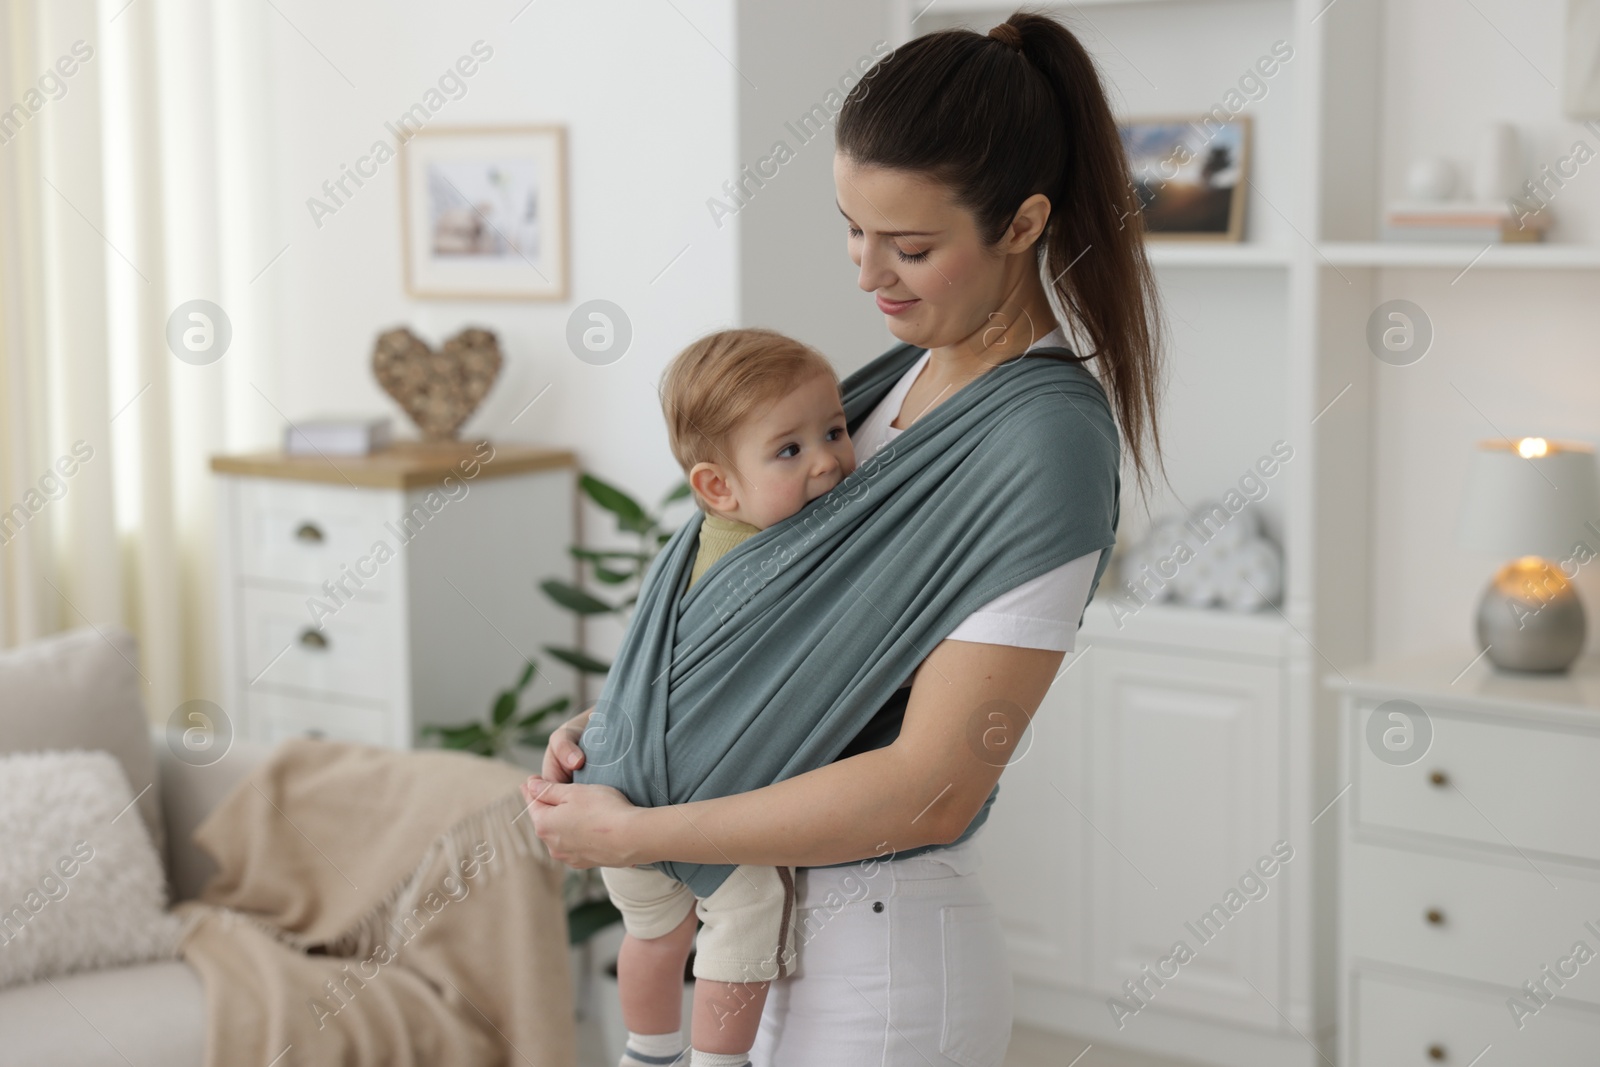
[790, 454]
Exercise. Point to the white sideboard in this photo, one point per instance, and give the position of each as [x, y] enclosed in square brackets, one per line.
[363, 597]
[1470, 864]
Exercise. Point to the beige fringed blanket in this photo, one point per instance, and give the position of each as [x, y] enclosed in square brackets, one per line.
[380, 907]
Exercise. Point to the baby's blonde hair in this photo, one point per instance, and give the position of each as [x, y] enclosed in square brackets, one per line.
[724, 378]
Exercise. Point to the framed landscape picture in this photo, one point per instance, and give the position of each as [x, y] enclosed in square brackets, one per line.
[484, 212]
[1189, 173]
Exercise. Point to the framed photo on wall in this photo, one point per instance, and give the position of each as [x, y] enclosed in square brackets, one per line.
[1189, 173]
[484, 212]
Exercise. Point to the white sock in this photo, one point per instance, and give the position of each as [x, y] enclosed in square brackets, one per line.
[719, 1059]
[654, 1050]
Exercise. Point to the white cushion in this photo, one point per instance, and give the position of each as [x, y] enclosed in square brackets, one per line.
[81, 689]
[81, 886]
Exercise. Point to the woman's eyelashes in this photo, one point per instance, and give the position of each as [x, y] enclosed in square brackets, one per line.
[905, 257]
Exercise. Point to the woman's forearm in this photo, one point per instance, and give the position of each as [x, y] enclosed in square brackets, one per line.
[866, 805]
[924, 788]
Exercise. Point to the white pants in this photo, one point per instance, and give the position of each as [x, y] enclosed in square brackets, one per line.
[902, 963]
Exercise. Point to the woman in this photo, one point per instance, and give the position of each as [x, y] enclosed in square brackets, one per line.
[978, 175]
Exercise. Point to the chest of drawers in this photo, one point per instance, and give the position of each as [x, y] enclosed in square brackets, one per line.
[1469, 910]
[363, 597]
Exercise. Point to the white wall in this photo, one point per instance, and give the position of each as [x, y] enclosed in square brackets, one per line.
[794, 266]
[648, 106]
[1514, 351]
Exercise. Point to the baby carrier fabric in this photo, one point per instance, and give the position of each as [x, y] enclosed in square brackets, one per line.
[789, 644]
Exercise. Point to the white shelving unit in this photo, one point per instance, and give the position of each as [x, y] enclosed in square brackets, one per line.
[1179, 745]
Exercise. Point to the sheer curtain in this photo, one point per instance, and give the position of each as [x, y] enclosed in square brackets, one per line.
[129, 185]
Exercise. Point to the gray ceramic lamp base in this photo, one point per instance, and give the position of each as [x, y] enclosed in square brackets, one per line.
[1530, 618]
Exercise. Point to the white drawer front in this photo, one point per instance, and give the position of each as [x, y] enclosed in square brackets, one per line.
[1400, 1024]
[353, 654]
[1482, 921]
[277, 716]
[1523, 785]
[309, 534]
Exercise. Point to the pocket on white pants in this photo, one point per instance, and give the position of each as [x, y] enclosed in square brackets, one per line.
[977, 985]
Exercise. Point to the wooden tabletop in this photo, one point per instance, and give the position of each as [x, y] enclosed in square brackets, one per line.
[403, 465]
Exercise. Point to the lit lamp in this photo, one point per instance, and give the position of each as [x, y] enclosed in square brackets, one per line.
[1535, 500]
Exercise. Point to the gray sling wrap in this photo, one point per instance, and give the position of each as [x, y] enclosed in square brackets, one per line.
[788, 645]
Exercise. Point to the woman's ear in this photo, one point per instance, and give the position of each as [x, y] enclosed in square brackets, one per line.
[709, 483]
[1027, 225]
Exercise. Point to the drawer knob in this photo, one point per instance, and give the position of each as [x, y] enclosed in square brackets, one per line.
[1434, 916]
[1435, 1052]
[313, 639]
[1439, 778]
[309, 532]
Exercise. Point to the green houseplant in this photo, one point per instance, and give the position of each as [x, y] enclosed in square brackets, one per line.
[620, 571]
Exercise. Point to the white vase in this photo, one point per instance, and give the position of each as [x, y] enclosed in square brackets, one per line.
[1495, 175]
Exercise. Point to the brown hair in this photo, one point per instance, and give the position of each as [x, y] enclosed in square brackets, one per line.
[998, 118]
[724, 378]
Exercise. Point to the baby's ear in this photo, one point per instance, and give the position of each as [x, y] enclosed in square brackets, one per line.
[707, 481]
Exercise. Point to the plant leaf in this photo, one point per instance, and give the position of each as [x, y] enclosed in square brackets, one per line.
[527, 676]
[603, 555]
[573, 598]
[581, 660]
[611, 577]
[559, 704]
[630, 516]
[677, 494]
[589, 918]
[505, 705]
[468, 736]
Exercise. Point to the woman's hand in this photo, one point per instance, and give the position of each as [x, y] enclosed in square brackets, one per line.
[564, 754]
[583, 825]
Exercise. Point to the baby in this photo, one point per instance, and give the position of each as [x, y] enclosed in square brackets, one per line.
[756, 422]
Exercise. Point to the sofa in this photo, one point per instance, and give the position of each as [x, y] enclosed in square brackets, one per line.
[82, 689]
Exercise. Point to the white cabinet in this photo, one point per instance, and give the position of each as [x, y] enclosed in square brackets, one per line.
[362, 597]
[1185, 779]
[1152, 793]
[1469, 910]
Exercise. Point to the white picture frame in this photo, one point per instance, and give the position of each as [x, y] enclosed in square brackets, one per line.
[484, 213]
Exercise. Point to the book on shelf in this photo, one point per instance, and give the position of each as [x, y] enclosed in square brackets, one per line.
[1462, 222]
[338, 435]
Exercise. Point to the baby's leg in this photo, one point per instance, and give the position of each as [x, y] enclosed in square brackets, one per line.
[727, 1015]
[748, 941]
[650, 979]
[659, 918]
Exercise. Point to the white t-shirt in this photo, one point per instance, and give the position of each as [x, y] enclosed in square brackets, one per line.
[1042, 612]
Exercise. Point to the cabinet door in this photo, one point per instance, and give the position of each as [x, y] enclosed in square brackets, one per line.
[1186, 768]
[1033, 844]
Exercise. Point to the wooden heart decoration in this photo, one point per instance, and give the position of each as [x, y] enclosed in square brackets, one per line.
[439, 390]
